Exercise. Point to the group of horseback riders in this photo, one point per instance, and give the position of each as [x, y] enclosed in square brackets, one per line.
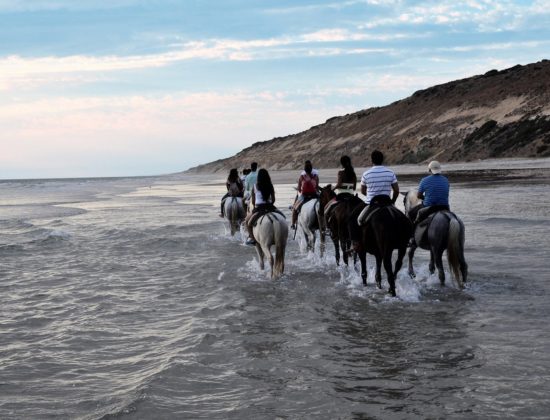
[378, 184]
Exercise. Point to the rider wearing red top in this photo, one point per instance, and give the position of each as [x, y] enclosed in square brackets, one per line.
[308, 183]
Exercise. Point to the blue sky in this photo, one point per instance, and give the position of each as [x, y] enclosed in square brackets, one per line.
[140, 87]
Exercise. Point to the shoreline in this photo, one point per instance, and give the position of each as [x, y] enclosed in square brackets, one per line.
[536, 169]
[328, 176]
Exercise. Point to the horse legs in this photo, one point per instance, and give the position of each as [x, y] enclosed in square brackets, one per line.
[310, 241]
[412, 274]
[439, 264]
[260, 256]
[363, 259]
[378, 275]
[354, 255]
[336, 249]
[431, 266]
[322, 241]
[399, 262]
[389, 272]
[271, 262]
[343, 245]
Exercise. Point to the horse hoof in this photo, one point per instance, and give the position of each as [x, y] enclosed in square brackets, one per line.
[379, 284]
[392, 293]
[412, 275]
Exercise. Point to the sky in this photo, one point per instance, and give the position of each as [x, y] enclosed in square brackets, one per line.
[148, 87]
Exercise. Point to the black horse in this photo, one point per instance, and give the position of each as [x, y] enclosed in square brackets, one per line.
[385, 229]
[337, 221]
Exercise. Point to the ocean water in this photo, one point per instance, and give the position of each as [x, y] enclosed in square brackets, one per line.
[127, 298]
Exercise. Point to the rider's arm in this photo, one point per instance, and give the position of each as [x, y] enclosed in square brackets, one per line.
[395, 188]
[421, 189]
[253, 197]
[273, 195]
[363, 189]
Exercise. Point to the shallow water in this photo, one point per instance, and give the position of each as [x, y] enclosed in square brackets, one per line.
[127, 298]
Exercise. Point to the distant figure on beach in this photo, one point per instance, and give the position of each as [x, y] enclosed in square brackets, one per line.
[434, 190]
[263, 200]
[235, 188]
[377, 183]
[308, 184]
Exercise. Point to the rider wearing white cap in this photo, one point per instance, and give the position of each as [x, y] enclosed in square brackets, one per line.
[434, 190]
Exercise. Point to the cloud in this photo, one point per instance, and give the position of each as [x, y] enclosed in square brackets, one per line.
[486, 15]
[18, 72]
[329, 6]
[166, 133]
[45, 5]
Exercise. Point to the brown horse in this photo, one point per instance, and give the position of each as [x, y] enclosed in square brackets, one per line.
[337, 221]
[385, 229]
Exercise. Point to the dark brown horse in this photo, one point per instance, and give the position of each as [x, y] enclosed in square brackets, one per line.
[385, 229]
[337, 221]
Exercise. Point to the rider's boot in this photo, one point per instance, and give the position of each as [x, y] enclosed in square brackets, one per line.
[250, 240]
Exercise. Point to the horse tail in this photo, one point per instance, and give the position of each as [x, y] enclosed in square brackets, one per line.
[454, 245]
[280, 232]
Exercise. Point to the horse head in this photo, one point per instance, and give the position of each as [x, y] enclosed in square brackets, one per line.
[325, 195]
[410, 200]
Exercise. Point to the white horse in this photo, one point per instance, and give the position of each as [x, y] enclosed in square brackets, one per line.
[234, 213]
[271, 229]
[310, 220]
[445, 232]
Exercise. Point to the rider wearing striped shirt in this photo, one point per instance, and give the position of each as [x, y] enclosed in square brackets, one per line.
[377, 184]
[434, 190]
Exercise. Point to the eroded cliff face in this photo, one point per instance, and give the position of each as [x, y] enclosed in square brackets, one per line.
[499, 114]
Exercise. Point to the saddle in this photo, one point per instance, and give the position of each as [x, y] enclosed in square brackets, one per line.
[421, 230]
[394, 212]
[329, 207]
[306, 199]
[262, 212]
